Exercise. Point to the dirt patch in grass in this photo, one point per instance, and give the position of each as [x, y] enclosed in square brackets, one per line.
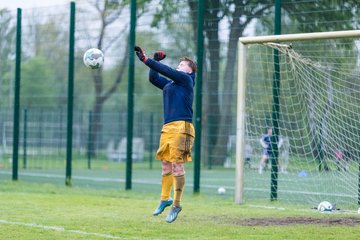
[346, 221]
[340, 221]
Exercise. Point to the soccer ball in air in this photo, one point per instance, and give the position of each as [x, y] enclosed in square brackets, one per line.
[325, 206]
[221, 190]
[93, 58]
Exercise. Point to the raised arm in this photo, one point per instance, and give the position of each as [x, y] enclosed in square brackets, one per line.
[178, 77]
[157, 80]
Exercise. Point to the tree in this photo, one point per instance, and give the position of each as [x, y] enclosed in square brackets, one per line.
[238, 15]
[108, 12]
[332, 16]
[7, 36]
[37, 83]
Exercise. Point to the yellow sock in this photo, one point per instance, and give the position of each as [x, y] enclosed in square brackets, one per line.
[166, 184]
[179, 183]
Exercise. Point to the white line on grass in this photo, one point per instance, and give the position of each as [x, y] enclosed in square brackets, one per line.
[94, 179]
[100, 179]
[60, 229]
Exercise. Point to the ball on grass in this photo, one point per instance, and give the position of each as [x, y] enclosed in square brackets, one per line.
[325, 206]
[221, 190]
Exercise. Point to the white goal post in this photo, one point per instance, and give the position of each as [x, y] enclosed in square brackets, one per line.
[241, 89]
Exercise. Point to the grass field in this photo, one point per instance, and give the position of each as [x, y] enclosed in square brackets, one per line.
[49, 211]
[337, 187]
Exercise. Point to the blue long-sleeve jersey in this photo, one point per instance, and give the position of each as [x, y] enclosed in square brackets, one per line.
[178, 92]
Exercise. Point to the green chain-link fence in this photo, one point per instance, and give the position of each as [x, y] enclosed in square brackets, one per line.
[100, 97]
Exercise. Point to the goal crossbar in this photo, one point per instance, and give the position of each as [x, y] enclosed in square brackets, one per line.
[300, 37]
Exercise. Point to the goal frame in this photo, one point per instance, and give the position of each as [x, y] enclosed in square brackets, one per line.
[241, 89]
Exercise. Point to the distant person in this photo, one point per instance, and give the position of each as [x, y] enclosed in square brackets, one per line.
[177, 134]
[265, 142]
[248, 155]
[340, 160]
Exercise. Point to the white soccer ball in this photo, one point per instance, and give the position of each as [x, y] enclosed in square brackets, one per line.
[325, 206]
[221, 190]
[93, 58]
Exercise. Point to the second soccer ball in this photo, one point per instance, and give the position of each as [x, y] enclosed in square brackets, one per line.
[221, 190]
[325, 206]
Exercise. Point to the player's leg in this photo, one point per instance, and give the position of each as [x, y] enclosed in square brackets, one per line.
[166, 180]
[262, 162]
[179, 183]
[166, 184]
[248, 162]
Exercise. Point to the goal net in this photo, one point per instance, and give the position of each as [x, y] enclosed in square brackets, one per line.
[306, 87]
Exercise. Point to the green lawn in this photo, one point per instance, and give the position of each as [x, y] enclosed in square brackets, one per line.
[47, 211]
[337, 187]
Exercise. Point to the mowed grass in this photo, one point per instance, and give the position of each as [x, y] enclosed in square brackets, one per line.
[47, 211]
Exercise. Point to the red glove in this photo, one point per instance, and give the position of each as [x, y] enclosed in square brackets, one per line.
[140, 53]
[159, 55]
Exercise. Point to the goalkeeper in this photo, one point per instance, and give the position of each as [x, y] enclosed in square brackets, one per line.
[177, 134]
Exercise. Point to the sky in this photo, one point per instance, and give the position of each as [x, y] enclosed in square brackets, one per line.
[25, 4]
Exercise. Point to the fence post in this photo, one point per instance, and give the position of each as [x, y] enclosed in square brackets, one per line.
[89, 139]
[60, 130]
[130, 119]
[151, 142]
[15, 154]
[40, 127]
[198, 107]
[70, 104]
[275, 109]
[25, 137]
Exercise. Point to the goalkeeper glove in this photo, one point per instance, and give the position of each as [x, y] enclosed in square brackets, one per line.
[140, 53]
[159, 55]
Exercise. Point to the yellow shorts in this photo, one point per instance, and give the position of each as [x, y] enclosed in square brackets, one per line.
[176, 141]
